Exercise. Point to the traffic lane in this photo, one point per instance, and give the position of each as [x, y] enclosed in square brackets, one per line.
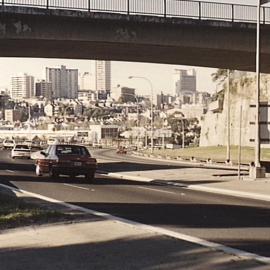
[229, 221]
[239, 223]
[18, 164]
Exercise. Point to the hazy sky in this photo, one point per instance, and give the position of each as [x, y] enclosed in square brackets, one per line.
[161, 75]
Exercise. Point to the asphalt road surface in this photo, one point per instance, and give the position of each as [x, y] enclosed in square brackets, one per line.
[235, 222]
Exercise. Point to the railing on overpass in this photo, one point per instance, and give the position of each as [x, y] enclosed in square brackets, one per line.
[164, 8]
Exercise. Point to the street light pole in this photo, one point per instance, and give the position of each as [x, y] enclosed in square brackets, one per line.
[228, 118]
[151, 110]
[138, 116]
[258, 170]
[257, 122]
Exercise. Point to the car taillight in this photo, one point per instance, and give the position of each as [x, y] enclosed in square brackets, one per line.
[91, 161]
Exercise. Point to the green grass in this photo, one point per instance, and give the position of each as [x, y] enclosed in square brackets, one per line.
[217, 153]
[15, 212]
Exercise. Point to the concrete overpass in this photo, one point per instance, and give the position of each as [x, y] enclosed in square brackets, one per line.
[59, 33]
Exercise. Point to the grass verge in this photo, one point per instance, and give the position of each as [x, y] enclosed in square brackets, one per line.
[216, 153]
[17, 212]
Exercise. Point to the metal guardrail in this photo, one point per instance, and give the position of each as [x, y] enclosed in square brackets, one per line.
[163, 8]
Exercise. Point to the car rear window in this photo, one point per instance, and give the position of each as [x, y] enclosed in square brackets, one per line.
[71, 150]
[21, 147]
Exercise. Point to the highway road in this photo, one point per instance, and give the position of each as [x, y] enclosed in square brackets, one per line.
[235, 222]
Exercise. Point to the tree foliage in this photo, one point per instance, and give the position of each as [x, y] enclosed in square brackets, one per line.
[220, 75]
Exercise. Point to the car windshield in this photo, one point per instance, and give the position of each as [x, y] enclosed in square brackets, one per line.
[7, 141]
[71, 150]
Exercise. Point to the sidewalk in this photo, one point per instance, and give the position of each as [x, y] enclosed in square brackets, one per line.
[215, 180]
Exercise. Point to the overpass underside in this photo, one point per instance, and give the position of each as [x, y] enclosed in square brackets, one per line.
[33, 32]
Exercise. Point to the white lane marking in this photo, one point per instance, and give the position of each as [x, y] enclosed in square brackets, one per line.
[162, 191]
[76, 186]
[180, 236]
[10, 171]
[229, 192]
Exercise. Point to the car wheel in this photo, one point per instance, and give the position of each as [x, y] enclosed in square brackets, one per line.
[90, 176]
[38, 171]
[52, 173]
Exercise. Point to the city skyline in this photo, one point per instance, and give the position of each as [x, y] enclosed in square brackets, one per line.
[120, 73]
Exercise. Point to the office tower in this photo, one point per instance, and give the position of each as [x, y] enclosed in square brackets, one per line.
[185, 80]
[44, 89]
[64, 82]
[103, 76]
[22, 86]
[185, 84]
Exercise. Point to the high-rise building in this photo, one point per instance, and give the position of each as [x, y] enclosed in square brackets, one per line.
[185, 81]
[22, 86]
[64, 82]
[164, 100]
[185, 84]
[124, 94]
[103, 76]
[44, 89]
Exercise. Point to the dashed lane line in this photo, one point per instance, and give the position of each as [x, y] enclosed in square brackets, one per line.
[10, 171]
[74, 186]
[161, 191]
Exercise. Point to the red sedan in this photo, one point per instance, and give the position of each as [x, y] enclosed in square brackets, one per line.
[66, 159]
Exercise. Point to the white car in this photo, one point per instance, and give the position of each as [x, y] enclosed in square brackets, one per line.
[8, 144]
[21, 151]
[52, 141]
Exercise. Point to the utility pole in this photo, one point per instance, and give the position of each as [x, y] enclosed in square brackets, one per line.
[151, 109]
[183, 133]
[240, 144]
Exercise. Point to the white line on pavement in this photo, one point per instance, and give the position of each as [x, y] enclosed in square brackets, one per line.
[10, 171]
[180, 236]
[223, 191]
[162, 191]
[76, 186]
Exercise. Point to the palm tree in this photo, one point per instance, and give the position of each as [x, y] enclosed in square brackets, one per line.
[220, 75]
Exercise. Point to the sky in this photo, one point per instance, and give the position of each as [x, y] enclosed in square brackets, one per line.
[161, 75]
